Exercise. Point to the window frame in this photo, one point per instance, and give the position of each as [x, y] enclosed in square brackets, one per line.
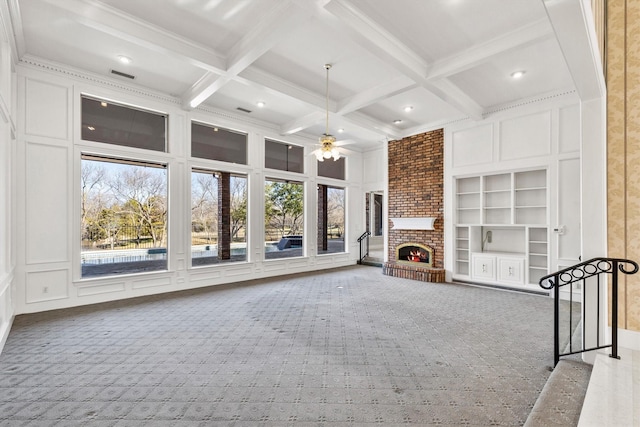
[160, 162]
[203, 123]
[302, 181]
[84, 95]
[199, 168]
[289, 146]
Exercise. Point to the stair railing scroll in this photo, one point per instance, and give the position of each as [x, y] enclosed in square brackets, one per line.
[585, 273]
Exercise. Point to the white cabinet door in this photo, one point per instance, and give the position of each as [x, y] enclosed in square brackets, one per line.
[484, 267]
[511, 270]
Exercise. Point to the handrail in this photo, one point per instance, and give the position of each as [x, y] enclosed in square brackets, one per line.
[363, 237]
[579, 273]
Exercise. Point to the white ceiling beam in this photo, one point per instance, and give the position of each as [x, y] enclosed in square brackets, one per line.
[375, 94]
[301, 123]
[574, 28]
[256, 76]
[203, 89]
[12, 23]
[481, 52]
[383, 44]
[366, 122]
[378, 40]
[109, 20]
[281, 22]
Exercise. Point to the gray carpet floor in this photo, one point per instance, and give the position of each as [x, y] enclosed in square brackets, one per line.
[343, 347]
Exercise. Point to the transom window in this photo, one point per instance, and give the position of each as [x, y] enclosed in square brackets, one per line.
[107, 122]
[214, 143]
[332, 168]
[282, 156]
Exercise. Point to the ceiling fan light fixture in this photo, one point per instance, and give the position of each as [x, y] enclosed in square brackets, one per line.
[327, 149]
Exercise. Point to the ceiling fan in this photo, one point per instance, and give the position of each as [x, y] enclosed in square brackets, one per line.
[328, 145]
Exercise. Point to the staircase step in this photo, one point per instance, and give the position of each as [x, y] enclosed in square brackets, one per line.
[613, 397]
[561, 399]
[373, 262]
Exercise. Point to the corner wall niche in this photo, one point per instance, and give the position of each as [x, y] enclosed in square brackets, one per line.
[502, 226]
[415, 204]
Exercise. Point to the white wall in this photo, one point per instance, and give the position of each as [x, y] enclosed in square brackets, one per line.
[47, 176]
[7, 148]
[538, 136]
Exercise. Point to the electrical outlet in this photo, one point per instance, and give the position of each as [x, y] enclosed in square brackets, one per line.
[489, 236]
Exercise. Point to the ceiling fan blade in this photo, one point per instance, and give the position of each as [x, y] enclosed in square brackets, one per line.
[344, 142]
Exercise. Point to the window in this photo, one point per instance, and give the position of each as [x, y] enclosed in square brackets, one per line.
[331, 223]
[209, 142]
[284, 157]
[284, 219]
[332, 168]
[218, 217]
[123, 216]
[104, 121]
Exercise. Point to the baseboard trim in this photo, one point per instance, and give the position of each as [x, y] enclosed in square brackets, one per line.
[629, 339]
[4, 334]
[502, 287]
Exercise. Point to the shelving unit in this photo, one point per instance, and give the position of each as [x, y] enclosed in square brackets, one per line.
[514, 204]
[538, 254]
[468, 200]
[497, 206]
[462, 250]
[531, 197]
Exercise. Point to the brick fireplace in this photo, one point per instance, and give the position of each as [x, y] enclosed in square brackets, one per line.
[416, 178]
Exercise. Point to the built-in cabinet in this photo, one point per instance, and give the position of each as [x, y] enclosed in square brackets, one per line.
[502, 227]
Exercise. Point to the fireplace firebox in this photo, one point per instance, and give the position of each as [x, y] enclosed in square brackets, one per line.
[414, 254]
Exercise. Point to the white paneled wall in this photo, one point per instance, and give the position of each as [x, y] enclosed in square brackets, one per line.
[7, 149]
[47, 180]
[532, 137]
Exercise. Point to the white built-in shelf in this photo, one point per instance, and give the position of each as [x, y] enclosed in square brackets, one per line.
[513, 200]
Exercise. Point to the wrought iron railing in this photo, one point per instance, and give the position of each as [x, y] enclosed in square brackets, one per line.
[363, 240]
[587, 274]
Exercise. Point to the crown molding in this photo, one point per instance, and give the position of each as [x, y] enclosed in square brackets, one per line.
[80, 75]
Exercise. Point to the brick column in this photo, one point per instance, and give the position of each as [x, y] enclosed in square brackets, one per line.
[323, 243]
[416, 178]
[224, 216]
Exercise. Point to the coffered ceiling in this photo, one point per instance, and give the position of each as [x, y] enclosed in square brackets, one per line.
[447, 59]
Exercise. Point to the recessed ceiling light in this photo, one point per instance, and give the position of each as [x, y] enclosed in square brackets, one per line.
[104, 104]
[397, 122]
[124, 59]
[517, 74]
[261, 104]
[408, 108]
[340, 130]
[91, 128]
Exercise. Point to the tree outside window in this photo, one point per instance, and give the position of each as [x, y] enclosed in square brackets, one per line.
[123, 216]
[284, 219]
